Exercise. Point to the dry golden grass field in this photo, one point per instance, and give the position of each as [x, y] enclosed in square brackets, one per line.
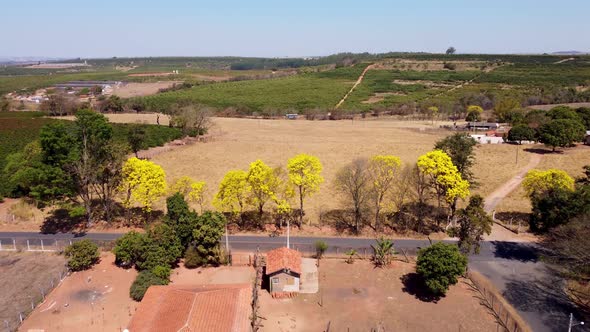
[237, 142]
[570, 160]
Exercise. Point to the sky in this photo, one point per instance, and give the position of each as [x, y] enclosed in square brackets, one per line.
[275, 28]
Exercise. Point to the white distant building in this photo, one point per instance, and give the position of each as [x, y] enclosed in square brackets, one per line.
[483, 139]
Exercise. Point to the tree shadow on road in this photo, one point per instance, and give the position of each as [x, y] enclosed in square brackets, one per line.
[546, 297]
[414, 285]
[522, 252]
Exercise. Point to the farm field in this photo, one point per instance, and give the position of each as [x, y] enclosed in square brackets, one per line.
[237, 142]
[97, 299]
[24, 276]
[358, 297]
[306, 91]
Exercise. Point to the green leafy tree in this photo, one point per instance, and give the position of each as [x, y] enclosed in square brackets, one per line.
[136, 137]
[521, 133]
[144, 280]
[474, 222]
[561, 133]
[383, 252]
[504, 107]
[129, 248]
[461, 148]
[180, 218]
[474, 113]
[208, 230]
[164, 236]
[440, 265]
[584, 114]
[563, 112]
[82, 255]
[305, 175]
[92, 134]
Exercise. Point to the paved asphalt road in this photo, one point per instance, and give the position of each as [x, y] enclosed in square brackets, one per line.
[514, 268]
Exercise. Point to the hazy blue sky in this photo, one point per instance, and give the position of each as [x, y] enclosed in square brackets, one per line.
[105, 28]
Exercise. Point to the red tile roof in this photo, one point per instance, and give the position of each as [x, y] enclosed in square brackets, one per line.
[283, 258]
[211, 308]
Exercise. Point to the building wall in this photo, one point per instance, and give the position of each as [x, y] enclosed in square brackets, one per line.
[283, 282]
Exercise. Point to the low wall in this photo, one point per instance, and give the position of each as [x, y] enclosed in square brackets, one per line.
[505, 314]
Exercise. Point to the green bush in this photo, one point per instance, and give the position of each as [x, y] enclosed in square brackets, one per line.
[129, 248]
[82, 255]
[320, 248]
[144, 280]
[162, 272]
[192, 259]
[440, 265]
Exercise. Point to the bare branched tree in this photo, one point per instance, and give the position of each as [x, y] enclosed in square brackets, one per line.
[353, 182]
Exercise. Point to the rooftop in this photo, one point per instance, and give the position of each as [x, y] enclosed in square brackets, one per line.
[212, 308]
[283, 258]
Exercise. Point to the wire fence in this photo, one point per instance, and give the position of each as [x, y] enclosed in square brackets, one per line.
[46, 245]
[35, 295]
[506, 316]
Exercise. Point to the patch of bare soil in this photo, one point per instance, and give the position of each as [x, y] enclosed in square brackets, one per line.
[380, 96]
[360, 297]
[129, 90]
[24, 276]
[430, 84]
[165, 73]
[97, 300]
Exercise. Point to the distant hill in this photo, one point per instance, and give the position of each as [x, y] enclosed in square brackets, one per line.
[569, 53]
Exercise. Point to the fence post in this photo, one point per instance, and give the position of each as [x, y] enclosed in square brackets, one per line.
[28, 246]
[0, 245]
[42, 249]
[20, 316]
[14, 243]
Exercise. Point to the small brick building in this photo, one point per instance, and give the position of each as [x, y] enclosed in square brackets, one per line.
[283, 271]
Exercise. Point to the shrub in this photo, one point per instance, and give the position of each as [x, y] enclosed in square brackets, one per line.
[440, 265]
[82, 255]
[320, 248]
[162, 272]
[144, 280]
[192, 258]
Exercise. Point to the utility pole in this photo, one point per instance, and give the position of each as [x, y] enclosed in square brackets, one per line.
[288, 232]
[572, 324]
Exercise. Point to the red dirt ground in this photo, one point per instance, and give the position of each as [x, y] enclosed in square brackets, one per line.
[91, 301]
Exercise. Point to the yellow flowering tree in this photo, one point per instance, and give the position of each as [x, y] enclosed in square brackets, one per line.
[539, 182]
[263, 182]
[305, 174]
[144, 182]
[384, 171]
[474, 113]
[443, 177]
[193, 191]
[233, 192]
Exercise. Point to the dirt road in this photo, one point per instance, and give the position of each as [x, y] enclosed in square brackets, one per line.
[358, 81]
[500, 233]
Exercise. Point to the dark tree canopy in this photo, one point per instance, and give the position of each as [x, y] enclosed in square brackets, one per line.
[440, 265]
[521, 133]
[474, 222]
[451, 50]
[460, 147]
[561, 133]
